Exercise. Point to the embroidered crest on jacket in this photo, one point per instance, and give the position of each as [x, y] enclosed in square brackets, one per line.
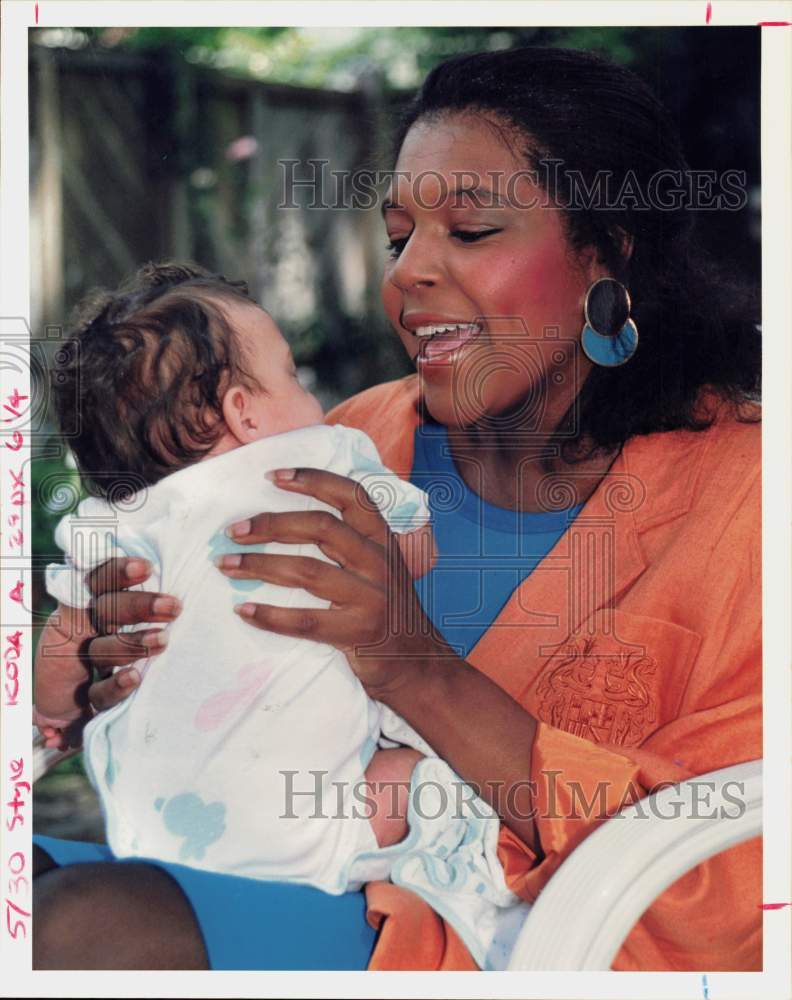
[601, 696]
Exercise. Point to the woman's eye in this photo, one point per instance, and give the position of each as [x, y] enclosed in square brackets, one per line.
[396, 245]
[472, 235]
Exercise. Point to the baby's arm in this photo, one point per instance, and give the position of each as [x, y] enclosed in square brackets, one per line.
[388, 792]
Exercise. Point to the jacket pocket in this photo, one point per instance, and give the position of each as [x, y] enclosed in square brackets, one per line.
[616, 679]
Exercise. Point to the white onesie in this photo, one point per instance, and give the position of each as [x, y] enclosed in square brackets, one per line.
[244, 751]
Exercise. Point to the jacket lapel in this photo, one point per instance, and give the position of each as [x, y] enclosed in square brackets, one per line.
[573, 589]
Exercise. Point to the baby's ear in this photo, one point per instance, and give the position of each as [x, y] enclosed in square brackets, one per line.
[241, 414]
[418, 550]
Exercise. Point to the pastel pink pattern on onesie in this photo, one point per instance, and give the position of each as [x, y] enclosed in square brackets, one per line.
[218, 708]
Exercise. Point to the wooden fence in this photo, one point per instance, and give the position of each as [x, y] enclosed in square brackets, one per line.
[135, 158]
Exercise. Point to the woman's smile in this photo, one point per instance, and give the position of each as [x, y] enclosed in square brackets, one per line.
[439, 341]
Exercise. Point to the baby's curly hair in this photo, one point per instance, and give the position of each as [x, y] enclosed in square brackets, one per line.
[145, 370]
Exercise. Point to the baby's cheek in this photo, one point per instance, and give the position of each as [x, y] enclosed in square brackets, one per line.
[419, 551]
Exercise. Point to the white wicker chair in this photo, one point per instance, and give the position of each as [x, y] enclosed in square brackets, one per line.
[589, 906]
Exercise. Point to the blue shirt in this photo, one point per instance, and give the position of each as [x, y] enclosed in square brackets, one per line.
[484, 552]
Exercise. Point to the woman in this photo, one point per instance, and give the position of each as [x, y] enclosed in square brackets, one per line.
[592, 627]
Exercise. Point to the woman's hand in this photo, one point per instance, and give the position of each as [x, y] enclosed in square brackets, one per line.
[112, 607]
[374, 615]
[71, 645]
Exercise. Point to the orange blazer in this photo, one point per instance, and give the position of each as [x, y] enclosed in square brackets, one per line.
[636, 643]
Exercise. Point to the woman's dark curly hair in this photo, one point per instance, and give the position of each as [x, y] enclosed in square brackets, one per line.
[140, 380]
[697, 325]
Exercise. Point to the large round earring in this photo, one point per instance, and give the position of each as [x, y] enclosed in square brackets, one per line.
[609, 336]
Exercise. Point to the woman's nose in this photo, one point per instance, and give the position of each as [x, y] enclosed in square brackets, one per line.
[417, 264]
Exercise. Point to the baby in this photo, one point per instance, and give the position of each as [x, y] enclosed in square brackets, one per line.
[242, 751]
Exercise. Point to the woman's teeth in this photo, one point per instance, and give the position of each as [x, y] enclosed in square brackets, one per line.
[461, 328]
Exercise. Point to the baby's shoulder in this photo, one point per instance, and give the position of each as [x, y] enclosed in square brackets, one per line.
[388, 414]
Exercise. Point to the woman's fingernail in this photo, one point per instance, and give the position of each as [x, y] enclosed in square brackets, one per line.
[166, 606]
[229, 561]
[135, 568]
[246, 610]
[156, 640]
[239, 530]
[282, 475]
[128, 678]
